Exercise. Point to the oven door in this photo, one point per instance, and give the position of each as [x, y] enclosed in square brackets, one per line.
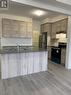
[56, 55]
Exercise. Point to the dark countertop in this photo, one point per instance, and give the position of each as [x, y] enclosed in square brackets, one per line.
[20, 49]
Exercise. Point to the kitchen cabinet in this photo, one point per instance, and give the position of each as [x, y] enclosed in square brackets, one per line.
[59, 26]
[49, 52]
[19, 64]
[43, 60]
[64, 25]
[30, 61]
[15, 28]
[6, 28]
[29, 29]
[12, 68]
[10, 28]
[22, 29]
[53, 33]
[4, 66]
[63, 56]
[9, 70]
[36, 62]
[46, 27]
[23, 63]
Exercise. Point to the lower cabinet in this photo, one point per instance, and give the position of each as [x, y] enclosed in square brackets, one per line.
[30, 66]
[12, 65]
[49, 52]
[23, 63]
[4, 66]
[26, 60]
[19, 64]
[43, 61]
[63, 56]
[36, 62]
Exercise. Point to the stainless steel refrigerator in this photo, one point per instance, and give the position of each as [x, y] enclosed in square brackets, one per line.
[43, 40]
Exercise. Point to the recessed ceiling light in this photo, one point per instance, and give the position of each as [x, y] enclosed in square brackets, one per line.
[39, 12]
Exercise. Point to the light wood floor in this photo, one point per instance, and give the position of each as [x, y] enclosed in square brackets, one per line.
[57, 81]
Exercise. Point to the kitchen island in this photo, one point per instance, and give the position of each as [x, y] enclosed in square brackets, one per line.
[19, 61]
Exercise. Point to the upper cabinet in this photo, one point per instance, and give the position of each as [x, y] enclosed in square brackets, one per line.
[64, 25]
[59, 26]
[46, 27]
[56, 27]
[22, 29]
[15, 28]
[53, 32]
[29, 29]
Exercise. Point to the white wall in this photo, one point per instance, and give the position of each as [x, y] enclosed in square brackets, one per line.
[36, 32]
[14, 41]
[68, 57]
[20, 18]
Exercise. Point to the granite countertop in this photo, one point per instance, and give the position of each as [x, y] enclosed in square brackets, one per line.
[20, 49]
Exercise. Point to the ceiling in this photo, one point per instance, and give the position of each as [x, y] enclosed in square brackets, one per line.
[52, 5]
[66, 5]
[55, 3]
[26, 10]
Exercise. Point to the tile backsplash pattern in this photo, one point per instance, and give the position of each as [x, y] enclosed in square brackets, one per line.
[16, 41]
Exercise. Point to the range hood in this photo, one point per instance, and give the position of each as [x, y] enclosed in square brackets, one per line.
[63, 32]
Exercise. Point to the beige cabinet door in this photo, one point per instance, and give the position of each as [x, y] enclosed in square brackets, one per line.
[5, 21]
[49, 28]
[49, 52]
[53, 33]
[64, 25]
[63, 56]
[6, 27]
[6, 30]
[10, 28]
[22, 29]
[58, 26]
[14, 28]
[46, 27]
[29, 29]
